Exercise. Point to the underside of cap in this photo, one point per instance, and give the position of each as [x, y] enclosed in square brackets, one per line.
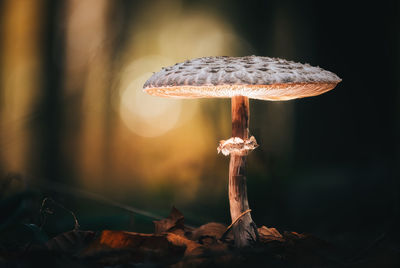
[275, 92]
[254, 77]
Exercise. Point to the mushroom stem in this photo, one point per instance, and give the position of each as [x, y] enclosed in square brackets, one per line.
[244, 230]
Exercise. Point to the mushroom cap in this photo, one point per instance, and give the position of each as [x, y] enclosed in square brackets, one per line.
[252, 76]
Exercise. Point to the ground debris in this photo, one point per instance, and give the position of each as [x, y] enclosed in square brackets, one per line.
[118, 247]
[174, 223]
[173, 244]
[269, 234]
[71, 242]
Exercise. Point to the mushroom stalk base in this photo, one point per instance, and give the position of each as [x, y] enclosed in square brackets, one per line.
[244, 230]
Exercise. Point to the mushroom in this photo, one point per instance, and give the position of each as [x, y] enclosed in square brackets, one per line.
[240, 78]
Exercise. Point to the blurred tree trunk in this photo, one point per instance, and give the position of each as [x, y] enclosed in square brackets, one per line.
[20, 72]
[88, 74]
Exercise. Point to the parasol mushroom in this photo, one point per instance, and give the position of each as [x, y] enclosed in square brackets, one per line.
[240, 78]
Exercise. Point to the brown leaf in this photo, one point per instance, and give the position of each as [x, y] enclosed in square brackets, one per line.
[175, 220]
[192, 248]
[128, 240]
[269, 234]
[114, 247]
[213, 229]
[70, 242]
[294, 235]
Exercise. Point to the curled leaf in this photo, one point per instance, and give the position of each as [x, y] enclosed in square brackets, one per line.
[175, 220]
[71, 242]
[115, 247]
[212, 229]
[269, 234]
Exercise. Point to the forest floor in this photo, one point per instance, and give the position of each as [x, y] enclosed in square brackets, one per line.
[173, 244]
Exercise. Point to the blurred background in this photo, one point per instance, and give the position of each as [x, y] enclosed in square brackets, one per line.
[75, 125]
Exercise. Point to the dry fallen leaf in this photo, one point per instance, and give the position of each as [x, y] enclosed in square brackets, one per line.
[192, 248]
[113, 247]
[212, 229]
[109, 239]
[269, 234]
[174, 223]
[295, 234]
[70, 242]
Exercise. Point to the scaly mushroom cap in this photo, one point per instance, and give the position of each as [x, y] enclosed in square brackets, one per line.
[252, 76]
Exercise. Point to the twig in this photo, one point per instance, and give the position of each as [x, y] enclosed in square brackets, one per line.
[44, 210]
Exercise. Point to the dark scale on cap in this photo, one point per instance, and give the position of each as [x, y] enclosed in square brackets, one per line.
[214, 80]
[180, 81]
[201, 79]
[287, 79]
[190, 80]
